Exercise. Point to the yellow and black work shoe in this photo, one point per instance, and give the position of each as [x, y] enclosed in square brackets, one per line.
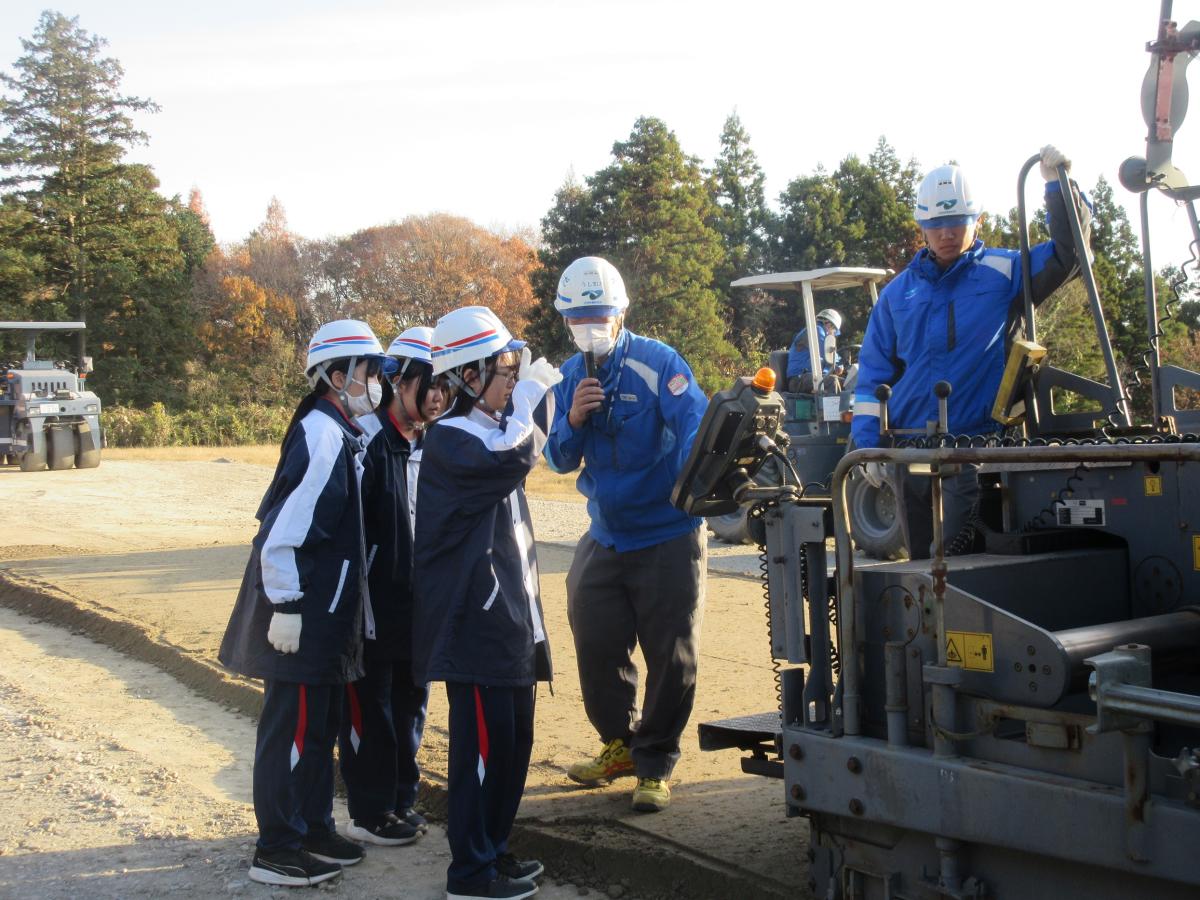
[614, 761]
[651, 795]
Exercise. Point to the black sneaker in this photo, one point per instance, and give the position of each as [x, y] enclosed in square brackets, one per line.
[291, 868]
[415, 819]
[386, 831]
[500, 888]
[331, 847]
[518, 869]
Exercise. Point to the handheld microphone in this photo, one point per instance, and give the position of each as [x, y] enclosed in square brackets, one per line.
[589, 365]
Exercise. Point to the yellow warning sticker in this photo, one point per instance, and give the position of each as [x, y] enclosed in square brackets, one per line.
[1196, 552]
[972, 650]
[1153, 485]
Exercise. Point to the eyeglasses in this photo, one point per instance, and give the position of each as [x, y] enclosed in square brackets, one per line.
[509, 375]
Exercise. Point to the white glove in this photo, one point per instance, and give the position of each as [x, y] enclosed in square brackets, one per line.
[539, 371]
[284, 632]
[1052, 158]
[875, 473]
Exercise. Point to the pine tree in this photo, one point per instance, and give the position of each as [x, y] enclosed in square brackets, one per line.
[649, 213]
[68, 129]
[858, 215]
[110, 249]
[570, 229]
[655, 211]
[743, 220]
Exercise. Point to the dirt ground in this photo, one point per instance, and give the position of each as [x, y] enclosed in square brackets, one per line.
[145, 553]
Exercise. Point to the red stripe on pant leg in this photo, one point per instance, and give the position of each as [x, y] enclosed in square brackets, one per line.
[356, 726]
[481, 727]
[301, 727]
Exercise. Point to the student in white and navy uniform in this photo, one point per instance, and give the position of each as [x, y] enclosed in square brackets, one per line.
[478, 624]
[298, 619]
[384, 714]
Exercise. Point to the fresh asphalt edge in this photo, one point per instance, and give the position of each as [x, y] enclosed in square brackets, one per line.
[605, 855]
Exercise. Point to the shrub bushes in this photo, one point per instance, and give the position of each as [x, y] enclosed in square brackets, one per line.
[223, 425]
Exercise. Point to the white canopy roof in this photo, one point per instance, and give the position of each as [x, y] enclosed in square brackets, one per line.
[835, 278]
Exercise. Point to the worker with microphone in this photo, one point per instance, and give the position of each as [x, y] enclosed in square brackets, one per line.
[627, 411]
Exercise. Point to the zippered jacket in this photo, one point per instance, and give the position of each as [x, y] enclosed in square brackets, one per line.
[478, 613]
[633, 448]
[388, 467]
[307, 558]
[954, 325]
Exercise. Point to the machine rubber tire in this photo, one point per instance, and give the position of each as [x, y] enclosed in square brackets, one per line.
[874, 519]
[85, 459]
[32, 462]
[731, 527]
[60, 450]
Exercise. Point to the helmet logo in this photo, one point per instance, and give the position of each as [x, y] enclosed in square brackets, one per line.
[947, 204]
[594, 293]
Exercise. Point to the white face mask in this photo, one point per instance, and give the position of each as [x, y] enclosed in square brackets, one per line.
[597, 338]
[361, 404]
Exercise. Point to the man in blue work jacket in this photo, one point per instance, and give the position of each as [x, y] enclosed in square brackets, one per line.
[799, 367]
[628, 409]
[948, 316]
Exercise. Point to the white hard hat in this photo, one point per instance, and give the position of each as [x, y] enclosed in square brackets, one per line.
[591, 286]
[468, 335]
[342, 339]
[413, 343]
[945, 195]
[832, 316]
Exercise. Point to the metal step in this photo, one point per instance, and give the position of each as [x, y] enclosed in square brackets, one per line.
[758, 734]
[760, 730]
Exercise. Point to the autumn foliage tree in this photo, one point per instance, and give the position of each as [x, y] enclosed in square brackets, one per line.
[414, 271]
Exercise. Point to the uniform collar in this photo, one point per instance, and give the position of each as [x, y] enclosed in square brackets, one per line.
[335, 412]
[924, 265]
[479, 417]
[396, 440]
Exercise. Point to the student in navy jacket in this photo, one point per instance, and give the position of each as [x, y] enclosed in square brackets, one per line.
[298, 619]
[478, 622]
[384, 714]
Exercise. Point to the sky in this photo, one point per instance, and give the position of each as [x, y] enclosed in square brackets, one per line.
[362, 112]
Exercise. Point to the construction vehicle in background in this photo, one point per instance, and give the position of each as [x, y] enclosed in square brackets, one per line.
[818, 423]
[48, 418]
[1018, 722]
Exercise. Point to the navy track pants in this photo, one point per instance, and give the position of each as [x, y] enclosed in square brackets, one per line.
[381, 732]
[293, 762]
[491, 737]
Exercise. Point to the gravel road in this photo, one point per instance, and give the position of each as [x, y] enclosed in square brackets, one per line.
[118, 782]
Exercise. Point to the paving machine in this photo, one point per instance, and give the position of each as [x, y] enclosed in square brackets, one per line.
[1018, 722]
[48, 418]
